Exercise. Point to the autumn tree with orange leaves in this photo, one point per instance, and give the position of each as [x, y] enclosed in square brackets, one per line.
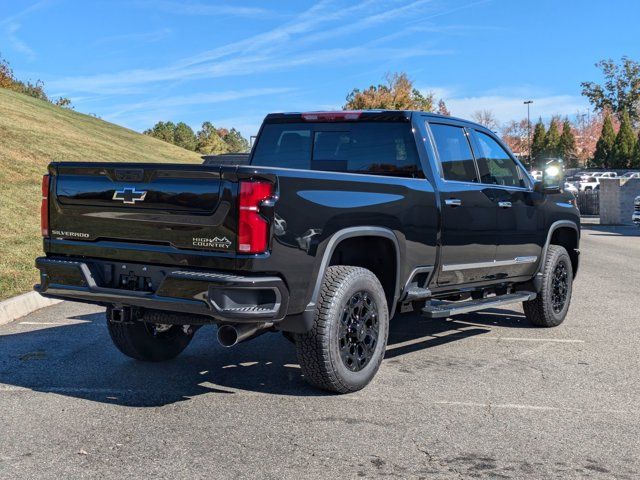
[397, 93]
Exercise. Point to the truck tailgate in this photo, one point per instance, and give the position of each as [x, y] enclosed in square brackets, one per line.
[184, 206]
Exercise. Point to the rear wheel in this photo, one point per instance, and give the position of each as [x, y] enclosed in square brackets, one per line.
[343, 350]
[149, 339]
[550, 307]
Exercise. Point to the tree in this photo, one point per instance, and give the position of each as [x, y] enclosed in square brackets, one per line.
[64, 102]
[620, 91]
[7, 79]
[10, 82]
[209, 140]
[552, 140]
[516, 135]
[635, 160]
[602, 155]
[163, 131]
[184, 137]
[538, 142]
[587, 128]
[397, 94]
[236, 142]
[442, 108]
[486, 118]
[568, 145]
[624, 145]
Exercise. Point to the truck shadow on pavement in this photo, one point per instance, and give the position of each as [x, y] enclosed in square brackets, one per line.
[79, 360]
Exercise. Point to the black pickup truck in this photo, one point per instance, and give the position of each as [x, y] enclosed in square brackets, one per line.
[338, 221]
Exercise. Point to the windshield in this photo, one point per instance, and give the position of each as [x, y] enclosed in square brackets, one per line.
[357, 147]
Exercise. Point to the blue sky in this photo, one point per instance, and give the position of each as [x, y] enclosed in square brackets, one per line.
[139, 61]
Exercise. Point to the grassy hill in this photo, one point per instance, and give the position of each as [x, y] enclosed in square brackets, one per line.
[34, 133]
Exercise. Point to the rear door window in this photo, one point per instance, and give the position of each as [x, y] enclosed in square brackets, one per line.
[454, 152]
[386, 148]
[495, 165]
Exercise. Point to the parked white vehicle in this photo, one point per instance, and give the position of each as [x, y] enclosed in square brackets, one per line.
[631, 175]
[636, 212]
[590, 183]
[605, 175]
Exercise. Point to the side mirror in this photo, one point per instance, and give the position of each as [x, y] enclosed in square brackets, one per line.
[552, 178]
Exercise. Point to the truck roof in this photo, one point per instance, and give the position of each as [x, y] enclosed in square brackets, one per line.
[356, 115]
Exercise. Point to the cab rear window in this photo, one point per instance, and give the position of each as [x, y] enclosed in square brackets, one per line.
[359, 147]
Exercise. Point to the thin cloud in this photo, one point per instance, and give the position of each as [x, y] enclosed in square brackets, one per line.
[277, 49]
[25, 12]
[10, 30]
[167, 103]
[135, 38]
[179, 8]
[507, 108]
[11, 24]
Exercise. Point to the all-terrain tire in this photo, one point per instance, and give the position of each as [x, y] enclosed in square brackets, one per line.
[343, 327]
[557, 282]
[140, 340]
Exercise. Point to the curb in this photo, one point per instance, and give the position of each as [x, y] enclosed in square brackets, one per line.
[22, 305]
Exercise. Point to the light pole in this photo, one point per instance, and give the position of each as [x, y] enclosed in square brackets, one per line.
[527, 103]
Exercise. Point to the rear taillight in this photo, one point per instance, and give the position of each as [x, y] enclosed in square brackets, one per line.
[44, 207]
[253, 228]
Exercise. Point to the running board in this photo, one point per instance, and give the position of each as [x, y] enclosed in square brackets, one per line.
[443, 309]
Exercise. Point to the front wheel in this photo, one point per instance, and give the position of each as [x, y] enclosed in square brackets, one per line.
[149, 339]
[343, 350]
[550, 307]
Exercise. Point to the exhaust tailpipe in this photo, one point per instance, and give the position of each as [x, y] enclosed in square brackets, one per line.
[230, 335]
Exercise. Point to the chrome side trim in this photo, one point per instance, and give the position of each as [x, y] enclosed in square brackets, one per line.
[495, 263]
[529, 259]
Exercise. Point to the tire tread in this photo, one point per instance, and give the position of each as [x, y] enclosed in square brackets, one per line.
[539, 311]
[313, 347]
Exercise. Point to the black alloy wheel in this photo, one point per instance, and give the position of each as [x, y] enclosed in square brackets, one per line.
[358, 331]
[560, 286]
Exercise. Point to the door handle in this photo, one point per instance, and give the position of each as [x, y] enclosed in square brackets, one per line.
[504, 204]
[453, 202]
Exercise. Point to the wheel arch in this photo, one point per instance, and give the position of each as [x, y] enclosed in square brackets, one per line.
[565, 233]
[340, 247]
[569, 238]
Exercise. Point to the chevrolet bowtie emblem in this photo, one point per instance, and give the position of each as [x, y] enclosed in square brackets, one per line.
[129, 195]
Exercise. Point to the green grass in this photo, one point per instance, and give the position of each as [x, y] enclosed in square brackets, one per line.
[34, 133]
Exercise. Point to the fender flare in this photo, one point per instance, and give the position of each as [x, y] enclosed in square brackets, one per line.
[537, 279]
[303, 322]
[350, 232]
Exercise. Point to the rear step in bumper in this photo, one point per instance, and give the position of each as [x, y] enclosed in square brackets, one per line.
[443, 309]
[224, 297]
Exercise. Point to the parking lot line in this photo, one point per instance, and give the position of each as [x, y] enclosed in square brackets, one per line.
[524, 339]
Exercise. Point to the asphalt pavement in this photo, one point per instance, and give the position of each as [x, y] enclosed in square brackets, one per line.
[482, 395]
